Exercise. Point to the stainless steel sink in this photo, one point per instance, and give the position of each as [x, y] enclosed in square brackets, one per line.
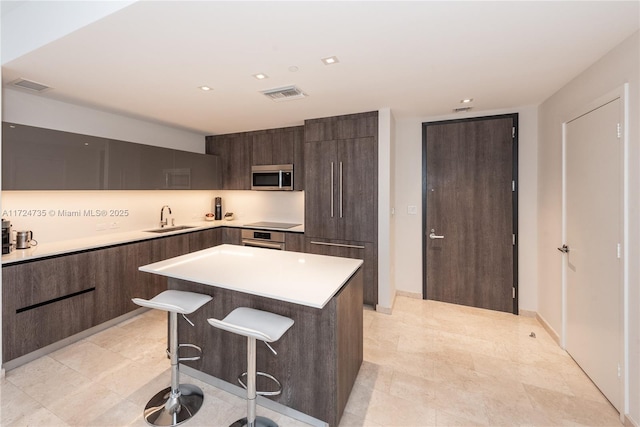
[169, 229]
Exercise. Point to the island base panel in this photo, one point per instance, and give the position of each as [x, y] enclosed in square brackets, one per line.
[318, 358]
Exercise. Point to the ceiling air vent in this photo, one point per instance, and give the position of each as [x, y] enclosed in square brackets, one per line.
[30, 85]
[461, 109]
[284, 93]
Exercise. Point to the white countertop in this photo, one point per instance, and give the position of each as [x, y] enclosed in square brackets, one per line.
[47, 249]
[299, 278]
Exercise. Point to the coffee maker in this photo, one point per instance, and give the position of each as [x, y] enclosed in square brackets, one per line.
[7, 246]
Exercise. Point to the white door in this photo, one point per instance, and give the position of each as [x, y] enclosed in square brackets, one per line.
[594, 227]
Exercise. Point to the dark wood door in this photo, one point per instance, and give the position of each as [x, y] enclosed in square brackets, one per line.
[470, 227]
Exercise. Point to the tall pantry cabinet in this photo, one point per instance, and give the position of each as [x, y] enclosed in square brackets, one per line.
[341, 191]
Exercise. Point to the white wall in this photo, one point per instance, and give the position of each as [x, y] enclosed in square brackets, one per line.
[34, 110]
[619, 66]
[386, 236]
[142, 209]
[408, 192]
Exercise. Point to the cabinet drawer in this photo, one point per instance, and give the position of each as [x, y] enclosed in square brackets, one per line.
[35, 327]
[40, 281]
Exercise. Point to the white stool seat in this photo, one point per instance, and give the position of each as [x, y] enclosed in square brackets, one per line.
[179, 402]
[176, 301]
[253, 323]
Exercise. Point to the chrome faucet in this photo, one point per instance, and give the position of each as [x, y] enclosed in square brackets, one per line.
[163, 221]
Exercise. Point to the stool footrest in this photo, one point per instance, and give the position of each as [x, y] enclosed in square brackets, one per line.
[263, 393]
[193, 358]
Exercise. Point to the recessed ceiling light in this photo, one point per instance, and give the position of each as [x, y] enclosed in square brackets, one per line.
[330, 60]
[260, 76]
[466, 100]
[205, 88]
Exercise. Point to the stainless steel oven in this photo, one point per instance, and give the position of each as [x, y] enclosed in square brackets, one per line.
[263, 239]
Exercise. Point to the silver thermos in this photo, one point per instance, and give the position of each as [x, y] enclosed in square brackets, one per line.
[218, 208]
[24, 239]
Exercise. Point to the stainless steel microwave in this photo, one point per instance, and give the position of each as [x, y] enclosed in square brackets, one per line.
[272, 177]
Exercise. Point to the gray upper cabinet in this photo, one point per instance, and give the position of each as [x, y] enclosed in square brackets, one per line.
[195, 171]
[41, 159]
[44, 159]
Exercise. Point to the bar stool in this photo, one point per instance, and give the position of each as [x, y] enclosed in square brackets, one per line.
[179, 402]
[264, 326]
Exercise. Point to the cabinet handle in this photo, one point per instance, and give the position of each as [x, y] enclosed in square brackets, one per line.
[331, 189]
[341, 245]
[51, 301]
[340, 189]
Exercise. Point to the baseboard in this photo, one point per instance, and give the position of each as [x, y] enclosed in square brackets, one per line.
[549, 329]
[409, 294]
[527, 313]
[628, 422]
[384, 310]
[29, 357]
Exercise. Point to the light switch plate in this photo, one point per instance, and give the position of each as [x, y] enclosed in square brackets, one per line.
[412, 210]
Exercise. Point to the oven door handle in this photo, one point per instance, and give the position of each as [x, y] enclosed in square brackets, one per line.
[260, 244]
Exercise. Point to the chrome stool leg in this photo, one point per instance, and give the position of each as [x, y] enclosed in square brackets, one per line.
[267, 327]
[251, 420]
[179, 402]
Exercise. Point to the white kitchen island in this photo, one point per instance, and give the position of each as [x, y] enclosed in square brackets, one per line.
[318, 358]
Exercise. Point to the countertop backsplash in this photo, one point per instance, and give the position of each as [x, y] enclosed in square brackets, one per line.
[64, 215]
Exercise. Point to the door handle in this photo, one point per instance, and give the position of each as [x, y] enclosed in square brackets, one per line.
[331, 185]
[340, 189]
[564, 249]
[433, 236]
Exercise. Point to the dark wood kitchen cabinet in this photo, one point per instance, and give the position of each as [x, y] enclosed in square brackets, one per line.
[239, 151]
[341, 190]
[148, 285]
[46, 301]
[294, 242]
[234, 151]
[281, 146]
[232, 236]
[365, 251]
[205, 239]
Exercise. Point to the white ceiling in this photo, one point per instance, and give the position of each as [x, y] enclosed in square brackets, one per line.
[418, 58]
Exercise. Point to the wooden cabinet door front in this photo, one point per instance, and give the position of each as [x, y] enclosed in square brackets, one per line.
[235, 159]
[357, 189]
[358, 250]
[46, 301]
[321, 172]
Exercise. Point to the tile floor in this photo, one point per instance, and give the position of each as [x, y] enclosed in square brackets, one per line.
[427, 364]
